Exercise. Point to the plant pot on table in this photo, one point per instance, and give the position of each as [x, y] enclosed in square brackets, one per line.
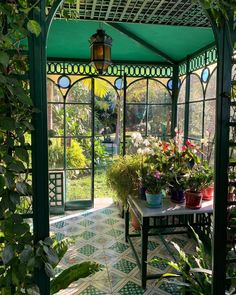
[177, 195]
[208, 193]
[154, 200]
[193, 199]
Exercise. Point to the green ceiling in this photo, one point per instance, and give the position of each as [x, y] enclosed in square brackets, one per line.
[69, 39]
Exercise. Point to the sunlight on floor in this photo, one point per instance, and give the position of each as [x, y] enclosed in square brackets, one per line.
[99, 236]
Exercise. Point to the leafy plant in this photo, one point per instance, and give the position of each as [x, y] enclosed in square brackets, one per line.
[196, 179]
[122, 176]
[154, 182]
[194, 270]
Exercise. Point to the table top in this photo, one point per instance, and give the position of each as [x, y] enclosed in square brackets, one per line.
[168, 208]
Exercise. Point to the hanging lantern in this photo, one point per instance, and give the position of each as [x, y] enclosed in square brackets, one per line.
[100, 44]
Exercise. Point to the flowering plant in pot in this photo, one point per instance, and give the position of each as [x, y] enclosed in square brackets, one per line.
[195, 181]
[155, 182]
[208, 190]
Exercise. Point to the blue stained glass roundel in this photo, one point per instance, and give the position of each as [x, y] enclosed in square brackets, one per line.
[205, 75]
[119, 83]
[64, 82]
[170, 84]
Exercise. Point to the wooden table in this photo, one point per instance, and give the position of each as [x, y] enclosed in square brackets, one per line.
[171, 215]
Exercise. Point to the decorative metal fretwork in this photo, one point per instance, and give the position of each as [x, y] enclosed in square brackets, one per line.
[168, 12]
[56, 192]
[73, 68]
[199, 61]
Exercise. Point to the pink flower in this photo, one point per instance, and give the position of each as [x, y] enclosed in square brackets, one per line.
[188, 143]
[157, 174]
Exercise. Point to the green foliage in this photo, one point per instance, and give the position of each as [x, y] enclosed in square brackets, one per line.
[122, 176]
[195, 270]
[154, 182]
[20, 255]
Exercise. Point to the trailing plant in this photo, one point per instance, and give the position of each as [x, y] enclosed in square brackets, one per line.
[20, 255]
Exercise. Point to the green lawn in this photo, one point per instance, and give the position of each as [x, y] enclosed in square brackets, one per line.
[81, 188]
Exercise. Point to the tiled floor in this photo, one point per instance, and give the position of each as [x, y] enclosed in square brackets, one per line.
[99, 236]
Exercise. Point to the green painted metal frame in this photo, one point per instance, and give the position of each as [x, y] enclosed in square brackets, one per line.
[225, 51]
[37, 59]
[175, 92]
[187, 95]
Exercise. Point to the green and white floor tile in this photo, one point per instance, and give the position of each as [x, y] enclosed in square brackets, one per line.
[99, 236]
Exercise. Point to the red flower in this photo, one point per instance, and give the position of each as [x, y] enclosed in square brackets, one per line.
[184, 148]
[165, 147]
[189, 144]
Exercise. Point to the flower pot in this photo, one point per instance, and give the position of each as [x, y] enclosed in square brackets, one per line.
[193, 200]
[142, 194]
[154, 200]
[208, 193]
[177, 195]
[135, 223]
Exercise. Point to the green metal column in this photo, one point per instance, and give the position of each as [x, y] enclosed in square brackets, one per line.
[225, 51]
[124, 116]
[37, 53]
[187, 95]
[175, 92]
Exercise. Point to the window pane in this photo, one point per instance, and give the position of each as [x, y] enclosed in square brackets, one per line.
[78, 120]
[182, 91]
[196, 90]
[211, 86]
[209, 123]
[136, 118]
[55, 119]
[157, 93]
[80, 92]
[53, 92]
[78, 185]
[137, 91]
[180, 118]
[159, 120]
[195, 119]
[55, 153]
[78, 153]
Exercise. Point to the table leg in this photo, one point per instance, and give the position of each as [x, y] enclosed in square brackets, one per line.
[144, 245]
[126, 224]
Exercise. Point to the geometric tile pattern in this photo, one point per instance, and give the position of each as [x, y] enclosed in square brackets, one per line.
[125, 266]
[99, 236]
[87, 250]
[131, 288]
[171, 288]
[119, 247]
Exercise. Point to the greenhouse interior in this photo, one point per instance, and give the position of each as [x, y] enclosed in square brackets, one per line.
[117, 147]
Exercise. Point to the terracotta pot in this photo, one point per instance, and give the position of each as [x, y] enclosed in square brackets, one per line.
[154, 200]
[135, 223]
[193, 200]
[208, 193]
[177, 195]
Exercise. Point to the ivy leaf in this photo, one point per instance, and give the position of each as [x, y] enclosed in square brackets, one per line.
[49, 270]
[16, 166]
[34, 27]
[7, 254]
[15, 198]
[22, 188]
[4, 58]
[26, 254]
[8, 124]
[2, 183]
[22, 154]
[48, 241]
[51, 255]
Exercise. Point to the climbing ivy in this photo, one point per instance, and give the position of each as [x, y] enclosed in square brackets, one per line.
[20, 256]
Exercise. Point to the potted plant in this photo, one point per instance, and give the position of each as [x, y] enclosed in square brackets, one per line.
[208, 190]
[195, 181]
[155, 182]
[177, 185]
